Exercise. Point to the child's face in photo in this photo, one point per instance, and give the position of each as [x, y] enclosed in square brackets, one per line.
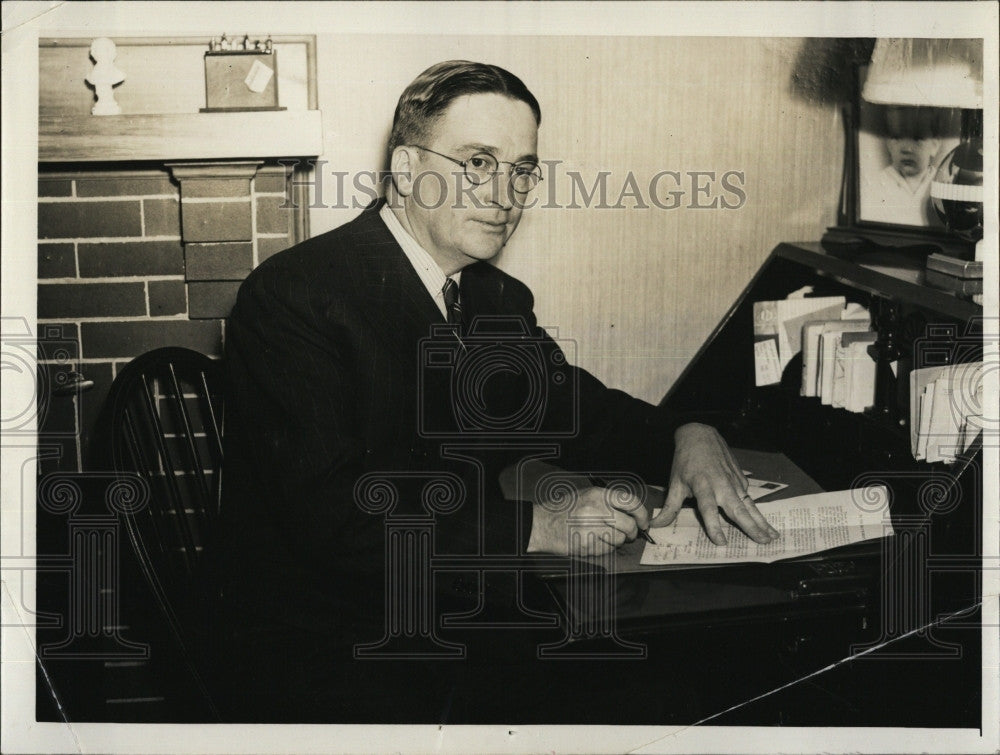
[910, 157]
[910, 141]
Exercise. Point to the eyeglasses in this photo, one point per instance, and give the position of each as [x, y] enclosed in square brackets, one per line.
[483, 166]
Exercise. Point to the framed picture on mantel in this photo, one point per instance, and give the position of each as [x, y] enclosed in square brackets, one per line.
[891, 155]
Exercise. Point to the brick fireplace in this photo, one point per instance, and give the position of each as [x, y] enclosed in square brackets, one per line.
[148, 221]
[133, 258]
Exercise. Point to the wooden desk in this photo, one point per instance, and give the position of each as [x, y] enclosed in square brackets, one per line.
[649, 598]
[886, 633]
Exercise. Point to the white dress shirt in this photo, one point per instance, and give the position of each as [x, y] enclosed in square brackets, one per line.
[430, 273]
[887, 197]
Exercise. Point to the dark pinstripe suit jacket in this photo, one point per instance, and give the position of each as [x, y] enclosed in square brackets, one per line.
[331, 378]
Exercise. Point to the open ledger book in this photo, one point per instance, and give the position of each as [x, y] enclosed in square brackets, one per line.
[808, 524]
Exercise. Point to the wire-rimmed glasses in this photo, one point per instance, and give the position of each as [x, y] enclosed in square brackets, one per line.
[482, 167]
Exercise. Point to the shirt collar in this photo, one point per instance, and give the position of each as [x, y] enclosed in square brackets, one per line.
[429, 272]
[902, 183]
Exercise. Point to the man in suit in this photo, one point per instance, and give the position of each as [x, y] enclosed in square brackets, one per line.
[386, 372]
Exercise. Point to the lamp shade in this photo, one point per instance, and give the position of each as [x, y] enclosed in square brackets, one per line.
[926, 73]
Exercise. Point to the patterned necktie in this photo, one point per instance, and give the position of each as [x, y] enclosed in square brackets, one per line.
[451, 304]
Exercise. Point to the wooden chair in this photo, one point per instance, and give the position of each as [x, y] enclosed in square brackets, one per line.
[164, 420]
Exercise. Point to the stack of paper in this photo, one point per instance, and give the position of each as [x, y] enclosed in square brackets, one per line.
[821, 339]
[946, 410]
[808, 524]
[836, 356]
[777, 329]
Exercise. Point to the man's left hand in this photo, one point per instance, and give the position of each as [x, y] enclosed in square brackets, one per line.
[704, 468]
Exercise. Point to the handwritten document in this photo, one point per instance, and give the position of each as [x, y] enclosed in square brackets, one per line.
[808, 524]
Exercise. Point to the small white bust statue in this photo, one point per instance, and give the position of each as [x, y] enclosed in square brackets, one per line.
[104, 77]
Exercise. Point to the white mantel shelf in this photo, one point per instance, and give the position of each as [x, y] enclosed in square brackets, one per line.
[181, 136]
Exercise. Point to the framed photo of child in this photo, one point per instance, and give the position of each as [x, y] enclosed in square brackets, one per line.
[900, 149]
[892, 154]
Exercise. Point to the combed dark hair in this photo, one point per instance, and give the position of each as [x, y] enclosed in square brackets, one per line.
[427, 97]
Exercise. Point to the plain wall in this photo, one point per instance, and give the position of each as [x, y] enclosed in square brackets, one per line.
[638, 290]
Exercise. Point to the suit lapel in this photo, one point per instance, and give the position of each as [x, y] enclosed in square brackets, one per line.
[396, 301]
[480, 296]
[401, 312]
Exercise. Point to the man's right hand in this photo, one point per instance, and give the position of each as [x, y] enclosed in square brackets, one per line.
[595, 522]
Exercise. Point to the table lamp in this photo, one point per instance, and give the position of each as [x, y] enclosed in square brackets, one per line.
[940, 73]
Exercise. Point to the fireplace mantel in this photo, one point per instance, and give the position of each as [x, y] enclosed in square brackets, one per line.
[180, 136]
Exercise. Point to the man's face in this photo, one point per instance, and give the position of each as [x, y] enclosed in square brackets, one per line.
[456, 222]
[910, 157]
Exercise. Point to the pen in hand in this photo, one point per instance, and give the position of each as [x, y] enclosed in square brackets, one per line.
[602, 483]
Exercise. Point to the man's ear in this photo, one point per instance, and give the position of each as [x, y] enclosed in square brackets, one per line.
[402, 164]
